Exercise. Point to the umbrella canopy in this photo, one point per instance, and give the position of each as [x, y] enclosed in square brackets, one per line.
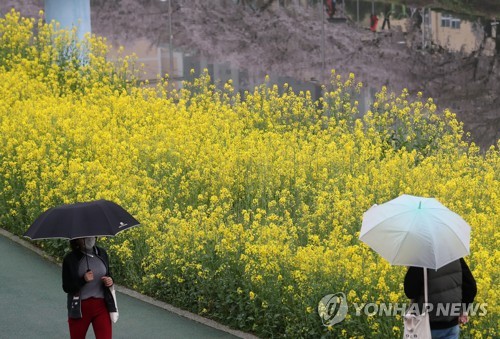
[96, 218]
[415, 231]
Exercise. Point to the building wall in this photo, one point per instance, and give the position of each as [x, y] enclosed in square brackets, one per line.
[462, 38]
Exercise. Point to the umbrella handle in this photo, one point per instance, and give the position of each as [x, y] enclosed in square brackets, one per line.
[425, 286]
[86, 256]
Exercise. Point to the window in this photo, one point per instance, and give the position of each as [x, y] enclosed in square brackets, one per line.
[448, 21]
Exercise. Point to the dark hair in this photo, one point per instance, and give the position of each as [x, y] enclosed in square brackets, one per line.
[74, 244]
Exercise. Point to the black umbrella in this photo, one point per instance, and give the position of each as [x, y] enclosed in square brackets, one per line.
[100, 218]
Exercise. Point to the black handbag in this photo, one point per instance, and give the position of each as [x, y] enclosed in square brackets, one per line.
[74, 306]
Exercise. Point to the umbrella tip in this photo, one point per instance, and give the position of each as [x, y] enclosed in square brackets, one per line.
[420, 205]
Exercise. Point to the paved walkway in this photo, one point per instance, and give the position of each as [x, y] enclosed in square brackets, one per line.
[33, 304]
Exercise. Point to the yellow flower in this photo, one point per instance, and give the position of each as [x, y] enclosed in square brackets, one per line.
[266, 189]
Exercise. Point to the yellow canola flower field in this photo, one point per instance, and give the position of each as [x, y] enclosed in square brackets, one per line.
[250, 205]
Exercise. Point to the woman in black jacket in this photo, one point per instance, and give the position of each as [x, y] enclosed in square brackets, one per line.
[86, 279]
[450, 291]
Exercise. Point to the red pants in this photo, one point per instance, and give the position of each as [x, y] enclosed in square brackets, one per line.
[93, 311]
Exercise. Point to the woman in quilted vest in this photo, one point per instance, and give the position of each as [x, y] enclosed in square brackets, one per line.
[451, 289]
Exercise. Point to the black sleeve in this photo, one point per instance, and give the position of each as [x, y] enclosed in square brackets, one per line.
[469, 287]
[414, 282]
[72, 283]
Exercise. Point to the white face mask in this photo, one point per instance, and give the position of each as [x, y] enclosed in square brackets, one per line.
[89, 243]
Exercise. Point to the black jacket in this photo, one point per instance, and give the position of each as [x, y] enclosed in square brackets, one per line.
[450, 284]
[72, 282]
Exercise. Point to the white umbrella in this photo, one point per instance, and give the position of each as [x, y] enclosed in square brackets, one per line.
[415, 231]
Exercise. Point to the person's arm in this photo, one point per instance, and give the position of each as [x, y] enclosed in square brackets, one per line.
[72, 283]
[414, 281]
[469, 290]
[469, 287]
